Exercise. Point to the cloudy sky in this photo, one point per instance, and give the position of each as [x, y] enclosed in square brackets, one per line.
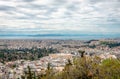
[59, 16]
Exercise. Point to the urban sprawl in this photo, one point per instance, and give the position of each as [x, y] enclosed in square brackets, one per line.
[58, 53]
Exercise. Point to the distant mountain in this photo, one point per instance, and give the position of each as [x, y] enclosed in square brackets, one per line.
[37, 35]
[84, 36]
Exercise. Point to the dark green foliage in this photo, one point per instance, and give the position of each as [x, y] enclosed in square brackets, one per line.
[93, 69]
[92, 46]
[84, 68]
[110, 43]
[81, 53]
[48, 67]
[27, 54]
[29, 73]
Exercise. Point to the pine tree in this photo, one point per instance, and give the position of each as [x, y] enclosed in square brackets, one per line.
[81, 53]
[29, 73]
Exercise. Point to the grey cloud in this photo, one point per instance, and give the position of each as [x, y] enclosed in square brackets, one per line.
[97, 1]
[6, 8]
[59, 2]
[38, 7]
[30, 16]
[23, 18]
[28, 0]
[113, 20]
[49, 8]
[34, 6]
[78, 14]
[73, 7]
[50, 11]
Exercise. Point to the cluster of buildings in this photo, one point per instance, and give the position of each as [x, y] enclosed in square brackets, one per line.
[15, 69]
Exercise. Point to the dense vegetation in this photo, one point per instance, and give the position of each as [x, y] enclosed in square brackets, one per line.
[82, 68]
[27, 54]
[110, 43]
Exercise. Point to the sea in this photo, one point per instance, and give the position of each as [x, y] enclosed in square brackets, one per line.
[63, 37]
